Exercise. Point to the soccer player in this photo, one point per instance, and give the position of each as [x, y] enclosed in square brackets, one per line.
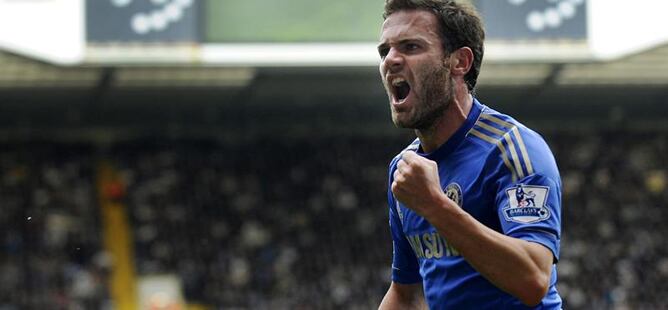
[461, 238]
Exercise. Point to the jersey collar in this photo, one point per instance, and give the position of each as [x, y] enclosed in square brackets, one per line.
[453, 142]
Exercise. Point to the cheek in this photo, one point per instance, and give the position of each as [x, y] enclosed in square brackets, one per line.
[381, 71]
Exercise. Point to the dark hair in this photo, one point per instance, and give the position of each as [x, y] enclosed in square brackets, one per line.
[460, 25]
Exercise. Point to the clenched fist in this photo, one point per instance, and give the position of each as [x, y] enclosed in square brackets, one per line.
[416, 183]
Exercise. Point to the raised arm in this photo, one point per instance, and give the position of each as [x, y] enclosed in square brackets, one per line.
[518, 267]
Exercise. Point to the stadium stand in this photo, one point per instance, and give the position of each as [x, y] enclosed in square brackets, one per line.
[52, 255]
[286, 223]
[270, 224]
[614, 207]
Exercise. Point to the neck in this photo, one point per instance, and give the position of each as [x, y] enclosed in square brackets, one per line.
[454, 117]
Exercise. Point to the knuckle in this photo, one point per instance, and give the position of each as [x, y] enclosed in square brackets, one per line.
[401, 164]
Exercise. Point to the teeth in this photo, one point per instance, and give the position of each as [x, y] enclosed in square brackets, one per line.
[397, 81]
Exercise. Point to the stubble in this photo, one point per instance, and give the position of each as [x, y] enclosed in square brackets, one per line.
[434, 97]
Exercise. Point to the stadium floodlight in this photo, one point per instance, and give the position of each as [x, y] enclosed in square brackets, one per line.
[49, 30]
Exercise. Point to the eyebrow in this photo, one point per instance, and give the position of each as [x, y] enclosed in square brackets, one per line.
[402, 41]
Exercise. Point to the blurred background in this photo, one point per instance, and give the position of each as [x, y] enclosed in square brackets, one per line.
[229, 154]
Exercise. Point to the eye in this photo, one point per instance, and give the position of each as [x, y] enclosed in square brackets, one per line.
[383, 51]
[411, 46]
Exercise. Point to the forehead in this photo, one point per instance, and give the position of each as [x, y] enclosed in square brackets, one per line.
[410, 24]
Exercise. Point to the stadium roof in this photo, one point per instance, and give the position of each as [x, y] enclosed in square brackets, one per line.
[627, 92]
[645, 68]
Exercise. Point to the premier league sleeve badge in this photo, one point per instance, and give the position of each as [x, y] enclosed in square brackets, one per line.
[526, 204]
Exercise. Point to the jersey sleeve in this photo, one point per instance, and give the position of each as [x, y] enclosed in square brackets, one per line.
[529, 207]
[405, 268]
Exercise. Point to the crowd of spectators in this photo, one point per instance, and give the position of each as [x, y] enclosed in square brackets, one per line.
[615, 204]
[290, 223]
[279, 224]
[52, 256]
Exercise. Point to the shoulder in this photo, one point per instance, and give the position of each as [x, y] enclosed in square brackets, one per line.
[523, 151]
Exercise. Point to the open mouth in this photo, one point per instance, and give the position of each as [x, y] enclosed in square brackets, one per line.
[401, 89]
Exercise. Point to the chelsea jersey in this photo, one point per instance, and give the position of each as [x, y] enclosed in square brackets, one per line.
[505, 176]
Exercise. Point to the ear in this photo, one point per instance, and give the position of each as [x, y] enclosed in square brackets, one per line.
[461, 61]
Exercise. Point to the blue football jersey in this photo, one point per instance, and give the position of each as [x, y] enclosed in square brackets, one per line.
[504, 175]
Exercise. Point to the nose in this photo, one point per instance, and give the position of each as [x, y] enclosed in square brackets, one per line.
[394, 60]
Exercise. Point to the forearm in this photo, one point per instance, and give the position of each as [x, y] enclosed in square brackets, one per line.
[519, 267]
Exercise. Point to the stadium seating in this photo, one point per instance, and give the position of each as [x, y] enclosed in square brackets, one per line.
[288, 223]
[52, 256]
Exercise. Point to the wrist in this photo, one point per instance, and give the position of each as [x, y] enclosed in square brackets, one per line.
[442, 204]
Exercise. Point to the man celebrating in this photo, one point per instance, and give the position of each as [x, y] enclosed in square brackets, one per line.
[461, 238]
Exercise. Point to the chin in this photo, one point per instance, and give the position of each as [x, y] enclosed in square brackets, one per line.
[403, 124]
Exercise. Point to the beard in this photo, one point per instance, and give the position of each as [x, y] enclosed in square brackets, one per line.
[433, 97]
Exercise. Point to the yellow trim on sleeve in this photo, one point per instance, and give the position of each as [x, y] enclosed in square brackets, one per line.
[490, 128]
[523, 150]
[497, 120]
[504, 153]
[520, 142]
[513, 153]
